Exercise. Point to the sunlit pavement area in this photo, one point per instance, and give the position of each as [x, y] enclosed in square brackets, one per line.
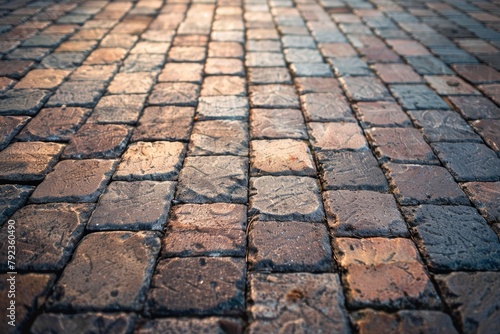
[226, 166]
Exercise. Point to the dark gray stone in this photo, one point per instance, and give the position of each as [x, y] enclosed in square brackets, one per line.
[63, 60]
[12, 197]
[118, 109]
[428, 65]
[118, 323]
[322, 107]
[365, 89]
[77, 94]
[347, 66]
[311, 70]
[191, 325]
[23, 102]
[417, 97]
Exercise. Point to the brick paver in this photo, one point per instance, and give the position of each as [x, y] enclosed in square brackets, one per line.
[250, 166]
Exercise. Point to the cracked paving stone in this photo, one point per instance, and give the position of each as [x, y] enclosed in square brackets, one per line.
[363, 214]
[296, 302]
[200, 286]
[337, 136]
[182, 72]
[365, 89]
[206, 230]
[74, 181]
[269, 75]
[42, 79]
[401, 145]
[98, 141]
[10, 127]
[417, 97]
[351, 171]
[222, 107]
[29, 161]
[469, 161]
[109, 271]
[138, 205]
[174, 93]
[322, 107]
[54, 124]
[489, 130]
[424, 184]
[384, 273]
[31, 291]
[281, 157]
[473, 299]
[219, 137]
[23, 102]
[118, 109]
[157, 161]
[264, 59]
[119, 323]
[450, 85]
[408, 321]
[289, 247]
[48, 235]
[131, 83]
[191, 325]
[485, 196]
[466, 244]
[77, 94]
[164, 123]
[12, 197]
[277, 123]
[381, 114]
[285, 198]
[307, 85]
[206, 179]
[443, 125]
[475, 107]
[223, 85]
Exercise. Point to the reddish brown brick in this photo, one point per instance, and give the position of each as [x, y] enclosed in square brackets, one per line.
[492, 91]
[317, 85]
[477, 73]
[223, 85]
[15, 68]
[450, 85]
[485, 196]
[490, 131]
[337, 136]
[164, 123]
[397, 73]
[277, 123]
[381, 114]
[475, 107]
[408, 48]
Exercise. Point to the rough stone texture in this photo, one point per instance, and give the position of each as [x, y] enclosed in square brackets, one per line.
[365, 89]
[181, 72]
[224, 66]
[275, 124]
[98, 141]
[475, 107]
[485, 196]
[477, 73]
[77, 94]
[219, 137]
[105, 56]
[15, 68]
[74, 181]
[42, 79]
[401, 145]
[119, 323]
[12, 197]
[281, 157]
[31, 291]
[131, 83]
[273, 96]
[94, 73]
[213, 179]
[411, 322]
[57, 124]
[208, 325]
[322, 107]
[397, 73]
[138, 205]
[264, 59]
[417, 97]
[269, 75]
[223, 85]
[201, 286]
[384, 273]
[28, 161]
[469, 161]
[222, 107]
[164, 123]
[118, 109]
[174, 93]
[110, 271]
[289, 247]
[363, 214]
[206, 229]
[350, 170]
[10, 127]
[307, 85]
[22, 102]
[490, 131]
[428, 65]
[337, 136]
[285, 198]
[381, 114]
[187, 54]
[467, 243]
[450, 85]
[473, 299]
[297, 302]
[420, 184]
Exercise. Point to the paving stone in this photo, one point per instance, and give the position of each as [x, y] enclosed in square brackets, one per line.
[485, 196]
[225, 50]
[326, 107]
[206, 230]
[98, 141]
[467, 244]
[28, 161]
[224, 66]
[381, 114]
[223, 85]
[269, 75]
[118, 109]
[201, 286]
[15, 68]
[36, 54]
[307, 85]
[408, 48]
[63, 60]
[384, 273]
[277, 123]
[109, 271]
[285, 198]
[147, 47]
[222, 107]
[289, 247]
[106, 56]
[417, 97]
[337, 136]
[273, 96]
[190, 40]
[10, 127]
[138, 205]
[477, 73]
[365, 89]
[475, 107]
[488, 129]
[304, 302]
[186, 54]
[224, 137]
[401, 145]
[131, 83]
[42, 79]
[31, 291]
[264, 59]
[164, 123]
[94, 73]
[182, 94]
[48, 233]
[291, 41]
[469, 161]
[181, 72]
[450, 85]
[337, 50]
[143, 62]
[74, 181]
[262, 46]
[397, 73]
[492, 91]
[473, 299]
[119, 323]
[6, 84]
[77, 46]
[428, 65]
[191, 325]
[209, 179]
[302, 56]
[349, 66]
[23, 102]
[12, 197]
[77, 94]
[412, 322]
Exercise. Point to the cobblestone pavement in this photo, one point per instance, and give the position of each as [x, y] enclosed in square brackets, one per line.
[228, 166]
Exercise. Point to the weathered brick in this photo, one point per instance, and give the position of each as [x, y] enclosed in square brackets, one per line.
[194, 54]
[477, 73]
[269, 75]
[63, 60]
[381, 114]
[485, 196]
[397, 73]
[337, 50]
[417, 97]
[143, 62]
[23, 102]
[42, 79]
[475, 107]
[264, 59]
[326, 107]
[77, 46]
[223, 85]
[15, 68]
[164, 123]
[77, 94]
[181, 72]
[337, 136]
[225, 50]
[350, 66]
[407, 47]
[273, 96]
[365, 89]
[224, 66]
[450, 85]
[10, 127]
[277, 123]
[263, 46]
[12, 197]
[294, 55]
[131, 83]
[93, 73]
[148, 47]
[222, 107]
[492, 91]
[428, 65]
[489, 130]
[105, 56]
[119, 323]
[6, 84]
[219, 137]
[307, 85]
[191, 325]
